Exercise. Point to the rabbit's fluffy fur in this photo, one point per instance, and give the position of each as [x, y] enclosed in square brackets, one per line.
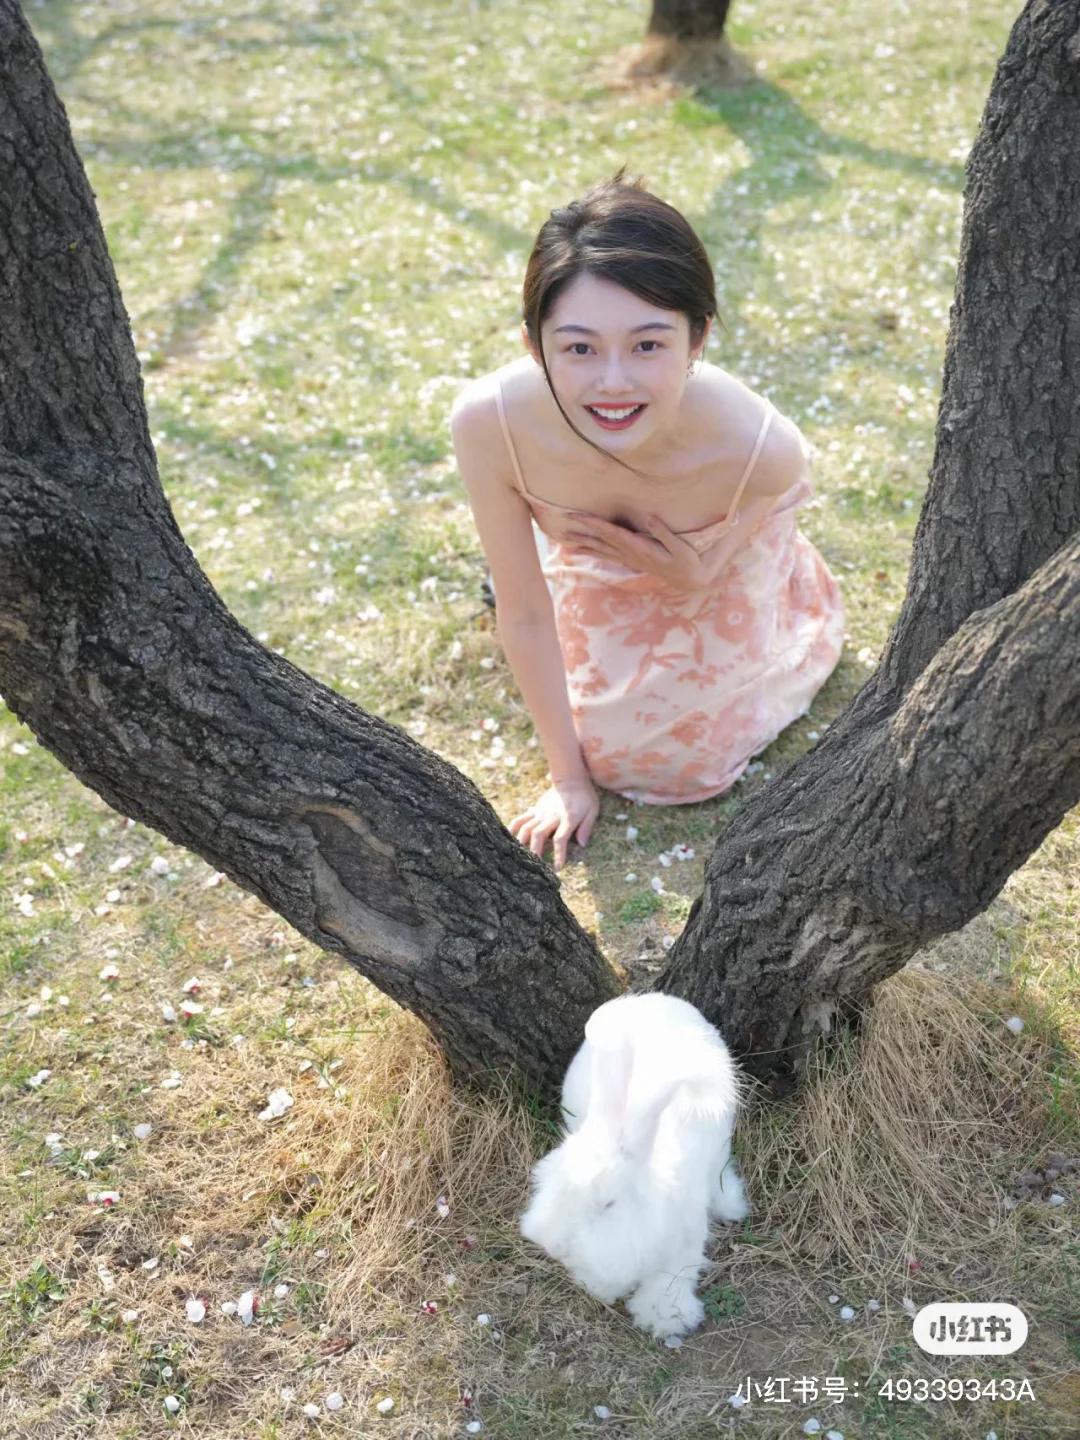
[624, 1202]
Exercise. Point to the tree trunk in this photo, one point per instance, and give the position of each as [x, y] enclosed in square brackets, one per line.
[868, 847]
[689, 19]
[120, 656]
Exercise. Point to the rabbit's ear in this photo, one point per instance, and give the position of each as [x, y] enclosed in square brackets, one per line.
[610, 1083]
[642, 1134]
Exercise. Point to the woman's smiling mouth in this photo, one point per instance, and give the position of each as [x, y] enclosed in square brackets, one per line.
[615, 417]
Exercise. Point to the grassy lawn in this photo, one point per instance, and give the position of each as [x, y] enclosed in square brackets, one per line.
[320, 214]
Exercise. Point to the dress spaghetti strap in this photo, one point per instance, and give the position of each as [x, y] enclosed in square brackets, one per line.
[758, 443]
[520, 478]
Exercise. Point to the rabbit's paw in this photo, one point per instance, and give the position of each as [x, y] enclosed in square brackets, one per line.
[666, 1306]
[728, 1201]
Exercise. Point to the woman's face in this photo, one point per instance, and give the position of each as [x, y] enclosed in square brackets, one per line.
[617, 363]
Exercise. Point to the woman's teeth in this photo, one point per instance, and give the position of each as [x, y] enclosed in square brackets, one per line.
[613, 414]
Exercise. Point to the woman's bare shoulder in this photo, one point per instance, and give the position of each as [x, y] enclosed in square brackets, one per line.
[738, 413]
[474, 404]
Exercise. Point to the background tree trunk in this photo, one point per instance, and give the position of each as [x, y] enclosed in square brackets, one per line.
[117, 652]
[868, 847]
[689, 19]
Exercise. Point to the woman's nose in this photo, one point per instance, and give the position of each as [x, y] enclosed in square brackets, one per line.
[614, 379]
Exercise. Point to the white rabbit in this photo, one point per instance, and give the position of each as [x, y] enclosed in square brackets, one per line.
[649, 1102]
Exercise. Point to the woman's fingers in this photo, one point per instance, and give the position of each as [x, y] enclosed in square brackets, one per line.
[558, 843]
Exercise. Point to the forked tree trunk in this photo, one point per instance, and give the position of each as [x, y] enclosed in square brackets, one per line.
[689, 19]
[940, 779]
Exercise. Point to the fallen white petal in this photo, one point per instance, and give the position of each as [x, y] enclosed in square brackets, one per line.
[673, 1342]
[172, 1404]
[812, 1426]
[196, 1310]
[601, 1412]
[280, 1291]
[442, 1207]
[143, 1132]
[334, 1401]
[129, 1316]
[910, 1306]
[736, 1401]
[1015, 1024]
[385, 1406]
[229, 1308]
[312, 1411]
[873, 1306]
[245, 1306]
[1057, 1199]
[190, 986]
[483, 1319]
[278, 1101]
[847, 1313]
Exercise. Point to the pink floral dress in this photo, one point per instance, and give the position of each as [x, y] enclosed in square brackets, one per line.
[673, 692]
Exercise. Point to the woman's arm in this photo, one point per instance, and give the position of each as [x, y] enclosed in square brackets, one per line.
[524, 612]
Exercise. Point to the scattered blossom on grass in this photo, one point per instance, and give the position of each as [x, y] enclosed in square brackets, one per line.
[334, 1401]
[195, 1310]
[1015, 1024]
[109, 972]
[278, 1101]
[36, 1081]
[385, 1406]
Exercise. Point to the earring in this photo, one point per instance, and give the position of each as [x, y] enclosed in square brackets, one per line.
[690, 367]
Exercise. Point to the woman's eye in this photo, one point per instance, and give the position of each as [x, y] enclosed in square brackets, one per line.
[578, 347]
[654, 343]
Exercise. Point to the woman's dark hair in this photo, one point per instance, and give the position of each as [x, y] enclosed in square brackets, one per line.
[621, 232]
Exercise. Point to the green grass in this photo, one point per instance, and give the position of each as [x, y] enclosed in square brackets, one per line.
[319, 214]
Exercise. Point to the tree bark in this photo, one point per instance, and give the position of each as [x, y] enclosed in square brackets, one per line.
[117, 652]
[867, 848]
[689, 19]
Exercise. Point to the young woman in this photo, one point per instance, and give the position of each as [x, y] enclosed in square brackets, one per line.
[662, 615]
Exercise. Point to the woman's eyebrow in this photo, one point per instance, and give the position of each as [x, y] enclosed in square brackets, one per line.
[584, 329]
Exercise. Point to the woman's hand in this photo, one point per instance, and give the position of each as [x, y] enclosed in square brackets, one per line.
[660, 552]
[570, 807]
